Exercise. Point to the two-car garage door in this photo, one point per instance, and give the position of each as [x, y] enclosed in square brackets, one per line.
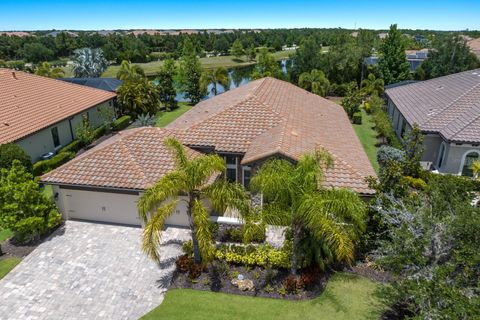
[120, 208]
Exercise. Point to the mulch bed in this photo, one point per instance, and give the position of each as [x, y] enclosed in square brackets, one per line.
[365, 269]
[217, 277]
[10, 248]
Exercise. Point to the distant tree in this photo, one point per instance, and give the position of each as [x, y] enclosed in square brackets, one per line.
[221, 45]
[110, 51]
[342, 63]
[393, 63]
[216, 77]
[352, 101]
[190, 73]
[166, 84]
[315, 82]
[89, 63]
[372, 85]
[266, 66]
[129, 71]
[449, 56]
[45, 70]
[10, 152]
[65, 44]
[251, 52]
[36, 52]
[237, 49]
[306, 58]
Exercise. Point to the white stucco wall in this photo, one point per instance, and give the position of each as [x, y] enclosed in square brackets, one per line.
[41, 142]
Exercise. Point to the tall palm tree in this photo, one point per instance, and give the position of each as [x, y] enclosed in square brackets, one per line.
[372, 85]
[293, 197]
[89, 63]
[314, 81]
[191, 179]
[128, 71]
[215, 77]
[45, 70]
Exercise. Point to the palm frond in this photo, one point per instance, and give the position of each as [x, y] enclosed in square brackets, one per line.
[153, 228]
[201, 220]
[276, 215]
[273, 180]
[199, 170]
[179, 151]
[223, 195]
[169, 185]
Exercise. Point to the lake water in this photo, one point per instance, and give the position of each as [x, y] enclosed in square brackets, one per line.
[237, 76]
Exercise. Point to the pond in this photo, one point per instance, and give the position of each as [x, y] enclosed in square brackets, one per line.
[237, 76]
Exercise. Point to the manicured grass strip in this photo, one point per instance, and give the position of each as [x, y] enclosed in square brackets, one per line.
[347, 296]
[165, 117]
[7, 264]
[5, 234]
[368, 138]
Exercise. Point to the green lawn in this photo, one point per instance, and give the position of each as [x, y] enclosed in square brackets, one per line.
[7, 264]
[152, 68]
[347, 296]
[368, 138]
[165, 117]
[5, 234]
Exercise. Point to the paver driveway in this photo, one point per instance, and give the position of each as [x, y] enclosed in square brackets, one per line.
[89, 271]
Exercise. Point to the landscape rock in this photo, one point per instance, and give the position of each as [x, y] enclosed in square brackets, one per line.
[244, 285]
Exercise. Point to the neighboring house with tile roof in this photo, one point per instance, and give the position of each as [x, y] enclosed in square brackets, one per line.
[41, 114]
[447, 110]
[258, 121]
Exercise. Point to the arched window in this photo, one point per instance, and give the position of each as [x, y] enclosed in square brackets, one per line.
[470, 157]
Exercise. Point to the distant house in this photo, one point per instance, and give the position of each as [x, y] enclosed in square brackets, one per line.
[261, 120]
[414, 58]
[447, 110]
[55, 33]
[293, 47]
[41, 114]
[107, 84]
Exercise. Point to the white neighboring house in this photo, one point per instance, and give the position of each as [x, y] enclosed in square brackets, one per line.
[41, 114]
[447, 111]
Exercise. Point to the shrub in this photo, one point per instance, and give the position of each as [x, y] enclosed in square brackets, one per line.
[195, 271]
[10, 152]
[43, 166]
[29, 229]
[187, 248]
[100, 131]
[121, 123]
[357, 118]
[263, 255]
[214, 227]
[183, 263]
[291, 283]
[54, 219]
[387, 153]
[309, 277]
[416, 183]
[73, 146]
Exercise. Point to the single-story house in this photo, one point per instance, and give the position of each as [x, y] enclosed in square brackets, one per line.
[262, 119]
[447, 110]
[107, 84]
[41, 114]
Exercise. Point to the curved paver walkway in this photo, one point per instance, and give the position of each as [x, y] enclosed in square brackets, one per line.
[89, 271]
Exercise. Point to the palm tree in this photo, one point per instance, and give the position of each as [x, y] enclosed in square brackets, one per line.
[293, 197]
[89, 63]
[372, 85]
[215, 77]
[315, 82]
[476, 169]
[130, 72]
[190, 179]
[45, 70]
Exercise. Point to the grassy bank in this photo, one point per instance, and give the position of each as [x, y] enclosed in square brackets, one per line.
[347, 296]
[7, 264]
[368, 138]
[165, 117]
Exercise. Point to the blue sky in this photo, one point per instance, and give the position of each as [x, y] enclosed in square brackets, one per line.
[119, 14]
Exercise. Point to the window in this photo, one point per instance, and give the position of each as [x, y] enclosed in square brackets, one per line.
[441, 155]
[247, 172]
[467, 163]
[56, 139]
[231, 172]
[404, 127]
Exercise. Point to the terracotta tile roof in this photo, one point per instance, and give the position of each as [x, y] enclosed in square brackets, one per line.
[270, 117]
[448, 105]
[29, 103]
[132, 159]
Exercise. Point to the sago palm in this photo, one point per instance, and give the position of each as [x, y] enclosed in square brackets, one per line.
[293, 197]
[190, 182]
[216, 77]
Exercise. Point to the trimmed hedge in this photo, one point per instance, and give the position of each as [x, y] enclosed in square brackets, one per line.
[357, 118]
[73, 146]
[121, 123]
[100, 131]
[44, 166]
